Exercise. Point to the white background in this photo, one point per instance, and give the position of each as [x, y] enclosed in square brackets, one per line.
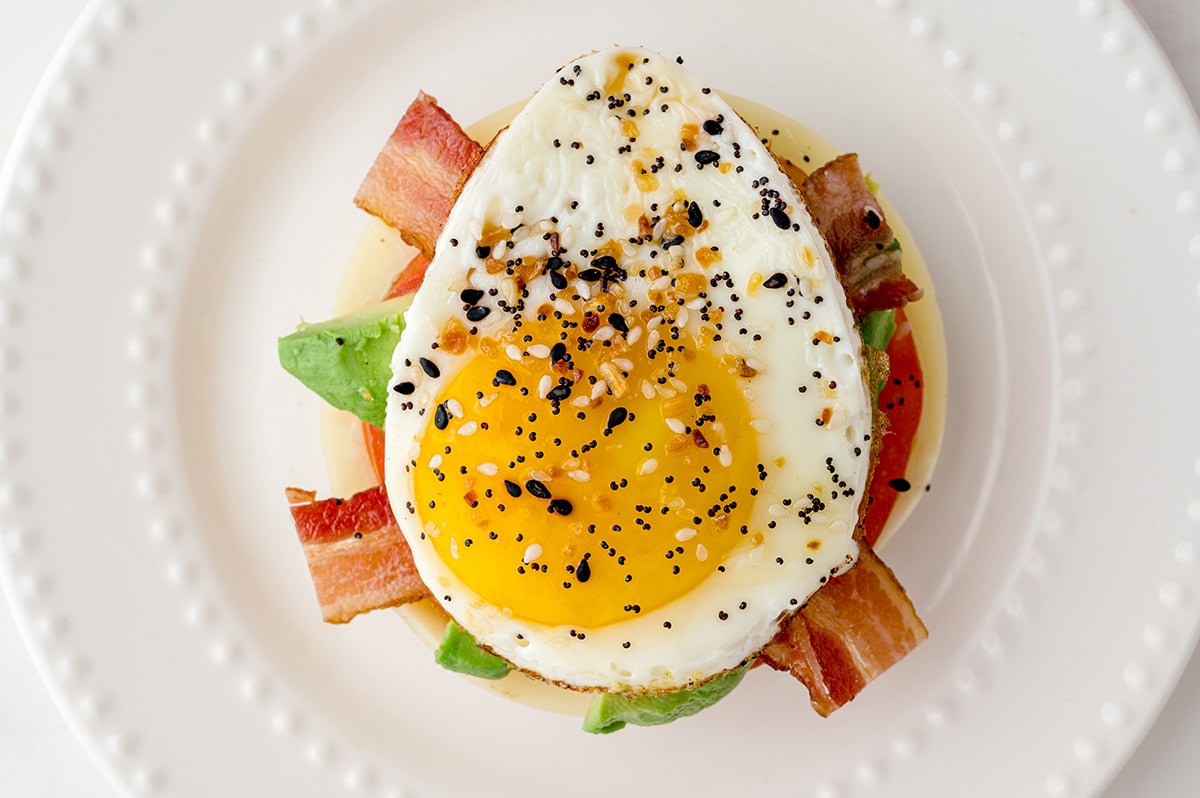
[40, 758]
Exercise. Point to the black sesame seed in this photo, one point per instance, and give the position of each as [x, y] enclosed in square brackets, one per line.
[404, 388]
[559, 393]
[441, 417]
[558, 280]
[560, 506]
[590, 275]
[618, 322]
[617, 417]
[712, 127]
[537, 489]
[706, 157]
[695, 217]
[583, 571]
[482, 252]
[478, 313]
[780, 218]
[430, 368]
[471, 295]
[504, 377]
[776, 280]
[899, 484]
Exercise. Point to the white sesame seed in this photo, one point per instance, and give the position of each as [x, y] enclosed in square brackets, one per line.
[432, 530]
[532, 553]
[624, 364]
[654, 322]
[599, 388]
[647, 389]
[686, 533]
[652, 339]
[511, 219]
[488, 399]
[701, 552]
[580, 401]
[681, 318]
[696, 303]
[761, 424]
[647, 467]
[564, 307]
[583, 289]
[757, 365]
[435, 461]
[544, 386]
[488, 469]
[468, 429]
[777, 510]
[540, 351]
[541, 476]
[579, 475]
[678, 384]
[455, 408]
[661, 284]
[513, 352]
[756, 554]
[604, 333]
[675, 425]
[635, 335]
[454, 548]
[725, 458]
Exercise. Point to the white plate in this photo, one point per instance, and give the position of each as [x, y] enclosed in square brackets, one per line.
[180, 195]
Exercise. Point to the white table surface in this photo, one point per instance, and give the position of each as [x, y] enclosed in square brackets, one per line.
[39, 756]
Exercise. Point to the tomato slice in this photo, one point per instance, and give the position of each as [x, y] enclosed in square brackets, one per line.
[901, 400]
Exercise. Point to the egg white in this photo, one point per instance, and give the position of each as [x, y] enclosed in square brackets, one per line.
[708, 632]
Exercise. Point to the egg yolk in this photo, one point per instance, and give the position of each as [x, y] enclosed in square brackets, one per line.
[583, 468]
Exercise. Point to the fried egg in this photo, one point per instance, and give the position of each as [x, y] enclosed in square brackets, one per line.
[629, 428]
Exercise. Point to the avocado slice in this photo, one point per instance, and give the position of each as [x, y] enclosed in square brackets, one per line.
[609, 712]
[877, 330]
[460, 653]
[347, 361]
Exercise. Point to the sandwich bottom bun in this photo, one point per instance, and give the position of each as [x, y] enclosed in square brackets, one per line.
[380, 254]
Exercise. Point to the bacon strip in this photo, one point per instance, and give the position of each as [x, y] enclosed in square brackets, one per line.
[853, 629]
[357, 557]
[415, 178]
[859, 237]
[410, 278]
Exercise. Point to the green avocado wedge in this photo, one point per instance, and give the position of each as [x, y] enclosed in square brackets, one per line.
[347, 361]
[460, 653]
[610, 712]
[877, 330]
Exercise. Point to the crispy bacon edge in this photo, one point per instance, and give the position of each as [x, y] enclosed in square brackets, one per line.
[864, 249]
[415, 178]
[854, 628]
[357, 556]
